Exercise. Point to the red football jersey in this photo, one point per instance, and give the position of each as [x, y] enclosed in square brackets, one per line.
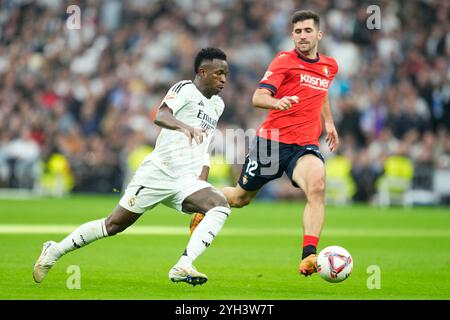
[292, 74]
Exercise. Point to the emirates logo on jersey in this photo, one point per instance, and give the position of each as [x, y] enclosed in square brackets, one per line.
[208, 123]
[314, 82]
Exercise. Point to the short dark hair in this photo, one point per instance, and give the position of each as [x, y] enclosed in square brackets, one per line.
[303, 15]
[208, 54]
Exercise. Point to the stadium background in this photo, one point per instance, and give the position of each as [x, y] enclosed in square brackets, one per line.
[75, 104]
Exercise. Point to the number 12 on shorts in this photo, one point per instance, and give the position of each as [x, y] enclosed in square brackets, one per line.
[251, 167]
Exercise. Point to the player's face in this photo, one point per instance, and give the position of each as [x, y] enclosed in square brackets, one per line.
[306, 36]
[214, 75]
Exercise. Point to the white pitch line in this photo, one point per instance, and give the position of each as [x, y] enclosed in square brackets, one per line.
[168, 230]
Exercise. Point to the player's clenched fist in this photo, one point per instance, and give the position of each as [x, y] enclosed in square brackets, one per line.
[285, 103]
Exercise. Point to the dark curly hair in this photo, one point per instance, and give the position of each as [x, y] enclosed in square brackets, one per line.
[303, 15]
[208, 54]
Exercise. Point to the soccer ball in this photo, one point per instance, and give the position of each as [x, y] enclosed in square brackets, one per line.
[334, 264]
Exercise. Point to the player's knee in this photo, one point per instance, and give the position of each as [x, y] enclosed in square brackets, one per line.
[316, 188]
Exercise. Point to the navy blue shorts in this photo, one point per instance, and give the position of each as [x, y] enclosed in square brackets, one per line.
[267, 160]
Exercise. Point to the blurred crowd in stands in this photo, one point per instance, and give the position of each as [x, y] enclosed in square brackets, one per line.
[88, 95]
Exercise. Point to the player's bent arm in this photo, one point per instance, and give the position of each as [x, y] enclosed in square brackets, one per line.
[262, 98]
[327, 115]
[165, 119]
[332, 137]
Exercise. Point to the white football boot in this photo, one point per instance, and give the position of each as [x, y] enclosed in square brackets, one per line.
[187, 274]
[46, 260]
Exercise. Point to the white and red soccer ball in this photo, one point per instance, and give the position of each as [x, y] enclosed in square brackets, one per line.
[334, 264]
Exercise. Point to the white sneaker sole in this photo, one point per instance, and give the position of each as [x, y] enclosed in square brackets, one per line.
[190, 279]
[194, 278]
[39, 272]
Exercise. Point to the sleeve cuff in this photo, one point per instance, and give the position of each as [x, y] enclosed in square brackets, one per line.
[269, 87]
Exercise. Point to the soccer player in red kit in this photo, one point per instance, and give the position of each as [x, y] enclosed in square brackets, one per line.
[295, 90]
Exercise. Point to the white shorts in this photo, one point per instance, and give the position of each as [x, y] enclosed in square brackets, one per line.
[157, 188]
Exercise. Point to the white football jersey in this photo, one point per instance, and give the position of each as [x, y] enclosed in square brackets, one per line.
[173, 154]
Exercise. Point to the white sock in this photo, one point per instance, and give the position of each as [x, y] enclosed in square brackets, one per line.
[204, 234]
[83, 235]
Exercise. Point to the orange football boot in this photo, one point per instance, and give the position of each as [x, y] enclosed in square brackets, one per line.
[308, 265]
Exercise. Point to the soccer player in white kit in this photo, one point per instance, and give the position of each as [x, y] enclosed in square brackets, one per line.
[170, 174]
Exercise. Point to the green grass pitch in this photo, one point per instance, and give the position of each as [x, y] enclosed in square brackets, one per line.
[255, 257]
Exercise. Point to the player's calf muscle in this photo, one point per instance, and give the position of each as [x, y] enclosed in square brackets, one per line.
[119, 220]
[113, 229]
[204, 200]
[214, 204]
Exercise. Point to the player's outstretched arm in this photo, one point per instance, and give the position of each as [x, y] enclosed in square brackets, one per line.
[332, 137]
[165, 119]
[262, 98]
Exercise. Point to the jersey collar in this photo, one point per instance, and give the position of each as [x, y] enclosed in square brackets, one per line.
[301, 56]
